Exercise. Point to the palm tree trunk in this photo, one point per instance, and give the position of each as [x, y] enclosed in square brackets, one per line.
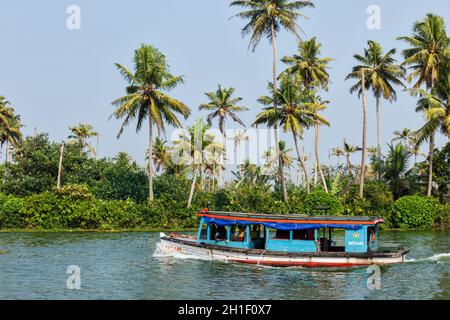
[363, 151]
[349, 165]
[7, 152]
[191, 192]
[150, 159]
[275, 87]
[224, 155]
[302, 163]
[58, 179]
[316, 139]
[378, 135]
[430, 166]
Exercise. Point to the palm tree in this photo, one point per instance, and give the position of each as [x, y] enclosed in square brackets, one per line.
[223, 105]
[80, 134]
[237, 138]
[290, 112]
[348, 150]
[146, 98]
[266, 18]
[381, 74]
[405, 136]
[197, 149]
[11, 135]
[396, 166]
[6, 111]
[429, 46]
[10, 128]
[316, 105]
[161, 154]
[308, 66]
[337, 152]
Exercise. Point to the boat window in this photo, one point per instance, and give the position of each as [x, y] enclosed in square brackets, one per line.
[238, 233]
[282, 234]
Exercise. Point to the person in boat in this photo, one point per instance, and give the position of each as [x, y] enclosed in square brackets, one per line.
[240, 236]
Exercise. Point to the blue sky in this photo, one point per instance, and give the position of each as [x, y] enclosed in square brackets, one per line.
[56, 77]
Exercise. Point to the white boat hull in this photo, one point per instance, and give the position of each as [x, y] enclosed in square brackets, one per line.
[190, 248]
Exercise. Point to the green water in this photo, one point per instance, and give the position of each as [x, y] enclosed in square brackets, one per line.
[122, 266]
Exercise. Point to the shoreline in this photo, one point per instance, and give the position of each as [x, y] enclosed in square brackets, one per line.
[440, 229]
[95, 230]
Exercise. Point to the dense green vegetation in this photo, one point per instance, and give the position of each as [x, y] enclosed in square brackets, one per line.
[49, 185]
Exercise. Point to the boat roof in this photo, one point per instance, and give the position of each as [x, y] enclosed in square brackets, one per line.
[287, 219]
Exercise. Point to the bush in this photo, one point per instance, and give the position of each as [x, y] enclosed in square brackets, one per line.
[76, 192]
[415, 212]
[10, 216]
[377, 201]
[320, 202]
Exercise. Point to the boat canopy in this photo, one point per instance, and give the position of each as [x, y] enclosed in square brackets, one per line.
[287, 221]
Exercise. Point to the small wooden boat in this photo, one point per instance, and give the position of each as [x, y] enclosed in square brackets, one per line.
[284, 240]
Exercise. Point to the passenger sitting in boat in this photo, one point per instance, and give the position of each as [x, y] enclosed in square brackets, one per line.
[240, 236]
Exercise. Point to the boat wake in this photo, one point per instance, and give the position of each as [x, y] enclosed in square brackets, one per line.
[436, 257]
[163, 251]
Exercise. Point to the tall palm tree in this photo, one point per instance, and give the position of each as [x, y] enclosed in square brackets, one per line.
[348, 150]
[308, 65]
[10, 127]
[266, 19]
[381, 74]
[316, 106]
[237, 138]
[223, 105]
[11, 135]
[290, 112]
[6, 111]
[146, 98]
[429, 46]
[80, 134]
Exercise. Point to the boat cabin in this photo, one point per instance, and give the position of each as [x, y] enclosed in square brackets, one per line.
[287, 233]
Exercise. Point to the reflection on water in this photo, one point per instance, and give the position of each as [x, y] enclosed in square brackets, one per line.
[122, 266]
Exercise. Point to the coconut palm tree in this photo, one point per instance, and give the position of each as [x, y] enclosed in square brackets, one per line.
[404, 136]
[337, 152]
[146, 98]
[348, 150]
[290, 113]
[381, 75]
[316, 105]
[238, 137]
[428, 48]
[223, 105]
[161, 154]
[396, 166]
[11, 134]
[308, 65]
[197, 149]
[6, 111]
[436, 108]
[265, 19]
[80, 134]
